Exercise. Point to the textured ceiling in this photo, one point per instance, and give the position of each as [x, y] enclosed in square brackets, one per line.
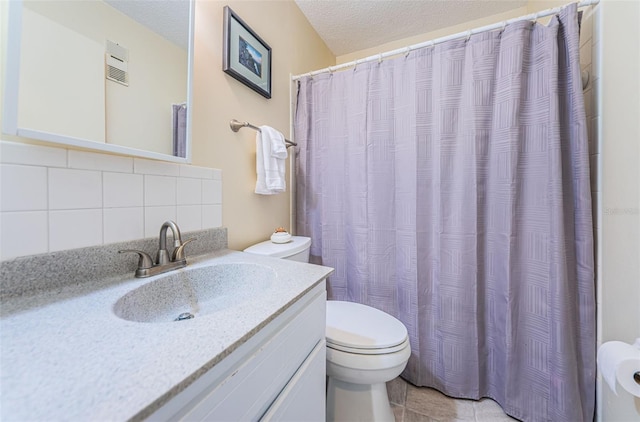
[169, 18]
[351, 25]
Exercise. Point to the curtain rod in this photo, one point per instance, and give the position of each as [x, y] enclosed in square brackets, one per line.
[464, 34]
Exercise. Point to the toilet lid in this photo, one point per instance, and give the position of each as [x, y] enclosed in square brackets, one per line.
[356, 326]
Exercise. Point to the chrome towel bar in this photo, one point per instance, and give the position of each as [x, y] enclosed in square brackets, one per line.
[235, 126]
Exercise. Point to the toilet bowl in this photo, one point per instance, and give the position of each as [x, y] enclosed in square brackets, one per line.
[365, 348]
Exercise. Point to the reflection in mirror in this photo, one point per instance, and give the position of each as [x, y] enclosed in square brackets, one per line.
[99, 74]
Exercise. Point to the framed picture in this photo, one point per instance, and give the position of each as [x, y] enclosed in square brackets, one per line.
[246, 56]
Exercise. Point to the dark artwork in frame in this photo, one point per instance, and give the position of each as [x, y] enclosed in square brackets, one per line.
[246, 56]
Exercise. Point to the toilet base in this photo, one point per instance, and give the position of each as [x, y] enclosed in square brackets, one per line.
[358, 402]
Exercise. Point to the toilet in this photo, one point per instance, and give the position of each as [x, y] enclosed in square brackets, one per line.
[365, 348]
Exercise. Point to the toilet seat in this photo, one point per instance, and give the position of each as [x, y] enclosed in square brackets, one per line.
[361, 329]
[364, 351]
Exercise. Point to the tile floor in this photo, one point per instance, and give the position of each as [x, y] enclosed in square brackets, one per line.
[421, 404]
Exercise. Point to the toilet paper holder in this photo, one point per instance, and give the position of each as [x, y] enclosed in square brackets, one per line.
[636, 377]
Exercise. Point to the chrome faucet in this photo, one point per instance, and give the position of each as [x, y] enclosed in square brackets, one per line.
[164, 262]
[162, 257]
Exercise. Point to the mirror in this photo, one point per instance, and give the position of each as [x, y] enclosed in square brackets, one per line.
[112, 75]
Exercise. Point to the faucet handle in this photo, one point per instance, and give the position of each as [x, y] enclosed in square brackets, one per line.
[145, 260]
[178, 253]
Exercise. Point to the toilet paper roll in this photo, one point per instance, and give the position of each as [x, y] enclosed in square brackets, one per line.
[620, 361]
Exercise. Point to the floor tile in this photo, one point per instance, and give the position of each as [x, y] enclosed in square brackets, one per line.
[397, 391]
[488, 410]
[422, 404]
[410, 416]
[436, 405]
[398, 412]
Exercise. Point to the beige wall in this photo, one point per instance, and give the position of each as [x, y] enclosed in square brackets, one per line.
[68, 46]
[218, 98]
[53, 107]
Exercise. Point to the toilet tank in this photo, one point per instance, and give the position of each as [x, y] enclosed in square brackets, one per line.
[297, 249]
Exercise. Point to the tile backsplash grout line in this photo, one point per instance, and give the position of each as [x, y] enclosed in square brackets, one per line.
[95, 212]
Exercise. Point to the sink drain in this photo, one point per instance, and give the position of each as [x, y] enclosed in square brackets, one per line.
[184, 315]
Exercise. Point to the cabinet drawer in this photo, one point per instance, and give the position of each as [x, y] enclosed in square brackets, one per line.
[254, 381]
[303, 399]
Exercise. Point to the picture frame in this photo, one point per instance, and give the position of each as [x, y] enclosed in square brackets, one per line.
[246, 56]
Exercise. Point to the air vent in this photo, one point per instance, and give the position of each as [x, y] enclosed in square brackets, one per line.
[117, 62]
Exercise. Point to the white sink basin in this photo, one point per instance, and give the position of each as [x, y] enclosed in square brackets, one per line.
[194, 292]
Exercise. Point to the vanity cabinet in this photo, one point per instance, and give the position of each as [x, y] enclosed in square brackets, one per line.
[277, 374]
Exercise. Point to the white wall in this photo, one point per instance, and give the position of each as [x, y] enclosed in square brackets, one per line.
[431, 35]
[617, 45]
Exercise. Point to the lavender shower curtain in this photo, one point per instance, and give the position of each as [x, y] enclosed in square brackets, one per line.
[450, 188]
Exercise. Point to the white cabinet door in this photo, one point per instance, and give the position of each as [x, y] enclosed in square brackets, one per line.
[245, 384]
[303, 399]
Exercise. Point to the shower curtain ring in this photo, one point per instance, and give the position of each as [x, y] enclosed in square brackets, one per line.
[408, 51]
[535, 18]
[468, 36]
[379, 58]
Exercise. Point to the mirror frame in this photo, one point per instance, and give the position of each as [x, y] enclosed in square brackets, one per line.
[11, 96]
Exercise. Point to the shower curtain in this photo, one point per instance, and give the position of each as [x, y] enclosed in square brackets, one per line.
[450, 188]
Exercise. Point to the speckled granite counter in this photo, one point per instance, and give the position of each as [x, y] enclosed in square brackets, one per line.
[66, 356]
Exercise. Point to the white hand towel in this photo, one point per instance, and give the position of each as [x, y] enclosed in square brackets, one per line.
[271, 153]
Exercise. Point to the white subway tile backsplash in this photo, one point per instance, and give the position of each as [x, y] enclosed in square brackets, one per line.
[74, 189]
[586, 26]
[196, 172]
[35, 155]
[190, 217]
[588, 101]
[189, 191]
[154, 217]
[23, 188]
[159, 168]
[211, 216]
[596, 59]
[212, 192]
[93, 161]
[23, 233]
[159, 190]
[585, 55]
[54, 199]
[122, 224]
[71, 229]
[123, 190]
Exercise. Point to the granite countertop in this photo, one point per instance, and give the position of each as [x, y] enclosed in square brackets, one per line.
[67, 356]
